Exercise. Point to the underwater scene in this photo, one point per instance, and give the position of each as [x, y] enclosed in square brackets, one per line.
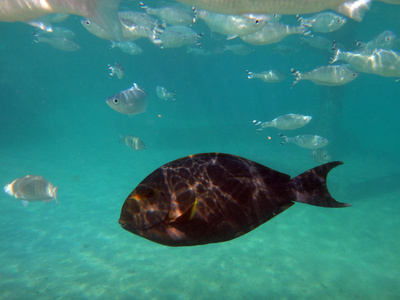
[148, 147]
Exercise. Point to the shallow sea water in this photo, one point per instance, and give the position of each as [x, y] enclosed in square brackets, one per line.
[55, 123]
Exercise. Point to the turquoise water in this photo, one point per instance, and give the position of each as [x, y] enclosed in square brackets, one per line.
[55, 123]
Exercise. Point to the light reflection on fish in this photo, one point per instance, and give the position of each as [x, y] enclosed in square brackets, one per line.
[31, 188]
[103, 12]
[131, 101]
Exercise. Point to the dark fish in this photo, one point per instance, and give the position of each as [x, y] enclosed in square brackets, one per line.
[215, 197]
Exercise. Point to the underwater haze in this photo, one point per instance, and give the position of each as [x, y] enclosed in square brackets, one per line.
[55, 123]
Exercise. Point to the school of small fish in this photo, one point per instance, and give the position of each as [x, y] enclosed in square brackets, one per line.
[244, 26]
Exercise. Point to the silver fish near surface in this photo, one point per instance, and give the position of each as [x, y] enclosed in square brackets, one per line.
[171, 15]
[116, 70]
[164, 94]
[273, 33]
[178, 36]
[127, 47]
[267, 76]
[237, 49]
[31, 188]
[318, 42]
[285, 122]
[132, 142]
[323, 22]
[384, 40]
[381, 62]
[320, 155]
[308, 141]
[327, 75]
[230, 25]
[103, 12]
[134, 25]
[131, 101]
[352, 8]
[58, 38]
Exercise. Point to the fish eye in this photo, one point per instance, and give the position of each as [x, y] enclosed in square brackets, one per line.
[87, 22]
[354, 74]
[257, 21]
[115, 100]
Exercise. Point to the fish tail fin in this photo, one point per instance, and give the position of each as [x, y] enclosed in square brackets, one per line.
[198, 36]
[121, 138]
[55, 194]
[284, 139]
[359, 44]
[173, 94]
[304, 22]
[158, 29]
[261, 125]
[249, 74]
[336, 55]
[310, 187]
[354, 9]
[144, 7]
[297, 77]
[35, 39]
[105, 15]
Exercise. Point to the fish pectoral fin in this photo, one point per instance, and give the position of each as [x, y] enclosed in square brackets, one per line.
[187, 215]
[24, 203]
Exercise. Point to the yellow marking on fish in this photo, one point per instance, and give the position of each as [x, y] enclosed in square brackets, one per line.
[193, 209]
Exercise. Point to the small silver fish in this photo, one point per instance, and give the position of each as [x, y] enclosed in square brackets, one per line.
[57, 42]
[130, 101]
[31, 188]
[384, 40]
[230, 25]
[163, 94]
[326, 75]
[116, 70]
[320, 155]
[171, 15]
[59, 38]
[132, 142]
[285, 122]
[267, 76]
[273, 33]
[237, 49]
[323, 22]
[308, 141]
[178, 36]
[127, 47]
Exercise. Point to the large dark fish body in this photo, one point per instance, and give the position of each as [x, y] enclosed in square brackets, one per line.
[215, 197]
